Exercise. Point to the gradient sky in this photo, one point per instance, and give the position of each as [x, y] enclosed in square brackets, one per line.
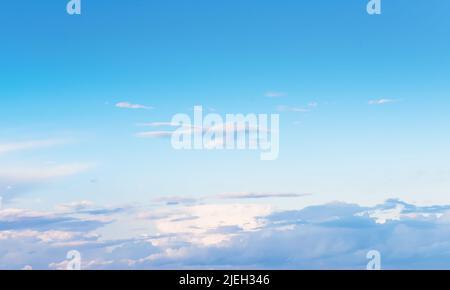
[61, 77]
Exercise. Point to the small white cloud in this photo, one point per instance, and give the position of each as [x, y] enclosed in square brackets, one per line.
[382, 216]
[127, 105]
[159, 124]
[283, 108]
[381, 101]
[274, 94]
[29, 145]
[162, 133]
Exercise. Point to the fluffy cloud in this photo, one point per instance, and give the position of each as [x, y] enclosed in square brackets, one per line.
[336, 235]
[38, 239]
[329, 236]
[204, 224]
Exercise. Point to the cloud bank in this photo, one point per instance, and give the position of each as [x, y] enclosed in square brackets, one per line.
[230, 236]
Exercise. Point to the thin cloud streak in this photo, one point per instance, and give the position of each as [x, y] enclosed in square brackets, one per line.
[256, 195]
[29, 145]
[127, 105]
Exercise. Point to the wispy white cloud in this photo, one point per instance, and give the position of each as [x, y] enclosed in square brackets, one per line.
[261, 195]
[303, 109]
[331, 236]
[188, 129]
[159, 124]
[29, 145]
[222, 129]
[275, 94]
[283, 108]
[202, 224]
[17, 181]
[127, 105]
[12, 219]
[381, 101]
[155, 134]
[41, 173]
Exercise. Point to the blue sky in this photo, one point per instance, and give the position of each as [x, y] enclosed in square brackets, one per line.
[375, 90]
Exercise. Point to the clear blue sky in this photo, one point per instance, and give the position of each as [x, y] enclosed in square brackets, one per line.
[62, 75]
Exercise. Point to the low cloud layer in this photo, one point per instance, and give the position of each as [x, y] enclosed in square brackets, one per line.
[329, 236]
